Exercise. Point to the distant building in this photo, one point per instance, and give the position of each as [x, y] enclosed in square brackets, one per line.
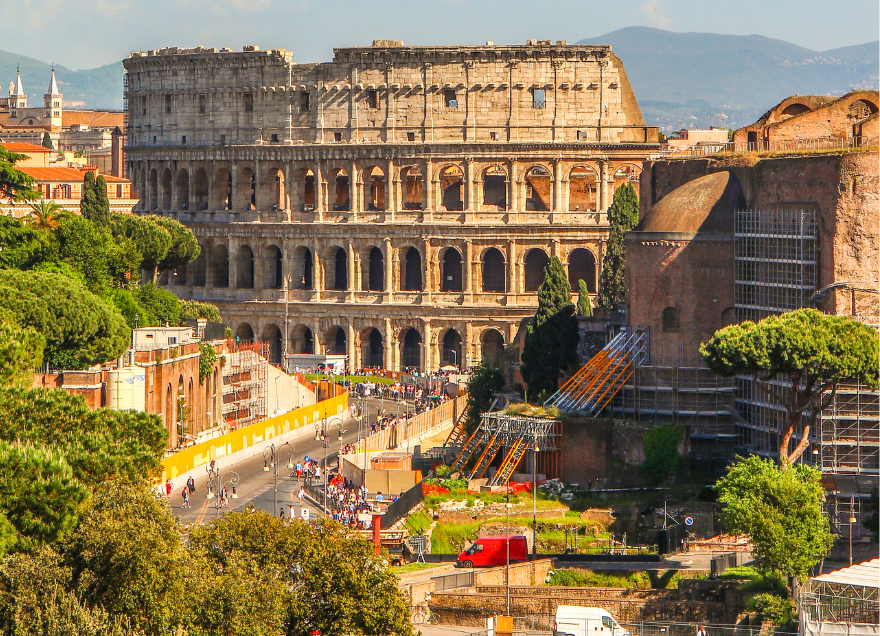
[16, 114]
[696, 137]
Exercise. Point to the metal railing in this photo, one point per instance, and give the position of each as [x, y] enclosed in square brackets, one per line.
[784, 145]
[453, 581]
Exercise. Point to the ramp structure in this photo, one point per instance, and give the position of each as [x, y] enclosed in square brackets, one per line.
[591, 389]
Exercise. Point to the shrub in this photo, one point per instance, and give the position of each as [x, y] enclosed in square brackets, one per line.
[773, 608]
[662, 459]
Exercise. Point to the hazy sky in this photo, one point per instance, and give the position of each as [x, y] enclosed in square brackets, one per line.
[89, 33]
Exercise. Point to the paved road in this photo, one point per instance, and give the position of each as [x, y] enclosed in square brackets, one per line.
[257, 486]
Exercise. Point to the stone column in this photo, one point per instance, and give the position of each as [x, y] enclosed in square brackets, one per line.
[468, 268]
[191, 189]
[258, 186]
[392, 188]
[389, 272]
[353, 282]
[427, 267]
[466, 350]
[318, 273]
[430, 187]
[469, 185]
[427, 357]
[352, 347]
[208, 246]
[601, 184]
[511, 271]
[319, 191]
[388, 348]
[556, 186]
[232, 245]
[356, 190]
[285, 203]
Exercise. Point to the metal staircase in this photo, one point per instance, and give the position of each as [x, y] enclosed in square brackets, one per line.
[591, 389]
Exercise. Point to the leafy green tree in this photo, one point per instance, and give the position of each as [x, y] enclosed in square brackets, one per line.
[551, 339]
[194, 310]
[585, 305]
[102, 203]
[662, 459]
[871, 515]
[207, 359]
[44, 215]
[88, 203]
[812, 351]
[47, 141]
[15, 184]
[162, 305]
[87, 248]
[184, 246]
[151, 239]
[23, 246]
[481, 386]
[62, 269]
[135, 314]
[623, 215]
[21, 351]
[781, 510]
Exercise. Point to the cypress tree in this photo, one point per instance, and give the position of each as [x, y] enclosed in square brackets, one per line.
[584, 306]
[88, 203]
[102, 203]
[623, 215]
[550, 345]
[47, 141]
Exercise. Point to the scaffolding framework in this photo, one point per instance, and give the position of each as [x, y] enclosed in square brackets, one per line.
[246, 384]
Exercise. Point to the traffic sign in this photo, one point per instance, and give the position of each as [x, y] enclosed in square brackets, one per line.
[304, 513]
[688, 521]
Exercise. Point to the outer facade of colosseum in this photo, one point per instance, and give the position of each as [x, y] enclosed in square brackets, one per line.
[398, 204]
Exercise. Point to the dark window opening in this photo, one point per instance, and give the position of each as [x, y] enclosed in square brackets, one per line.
[274, 138]
[410, 136]
[248, 103]
[536, 262]
[671, 320]
[337, 136]
[373, 99]
[376, 274]
[411, 276]
[183, 140]
[493, 271]
[451, 271]
[168, 103]
[222, 140]
[449, 98]
[305, 102]
[412, 349]
[203, 104]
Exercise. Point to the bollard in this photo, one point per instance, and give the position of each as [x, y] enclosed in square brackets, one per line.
[377, 532]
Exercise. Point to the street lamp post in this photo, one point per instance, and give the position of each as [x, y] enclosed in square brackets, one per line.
[535, 450]
[852, 520]
[270, 460]
[322, 436]
[286, 323]
[216, 483]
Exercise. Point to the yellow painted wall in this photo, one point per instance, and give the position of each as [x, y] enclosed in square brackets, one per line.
[258, 433]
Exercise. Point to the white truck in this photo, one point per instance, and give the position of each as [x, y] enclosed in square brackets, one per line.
[572, 620]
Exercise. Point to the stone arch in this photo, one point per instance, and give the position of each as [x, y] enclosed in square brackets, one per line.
[190, 395]
[244, 333]
[220, 266]
[626, 173]
[335, 341]
[336, 269]
[302, 268]
[274, 191]
[452, 188]
[153, 189]
[539, 188]
[302, 340]
[728, 317]
[181, 183]
[411, 270]
[222, 190]
[583, 189]
[413, 187]
[582, 266]
[167, 180]
[671, 320]
[272, 336]
[793, 110]
[493, 274]
[199, 268]
[372, 348]
[245, 267]
[495, 187]
[491, 346]
[170, 418]
[303, 189]
[342, 190]
[450, 348]
[858, 111]
[451, 270]
[273, 264]
[411, 349]
[535, 262]
[200, 190]
[374, 188]
[246, 190]
[373, 266]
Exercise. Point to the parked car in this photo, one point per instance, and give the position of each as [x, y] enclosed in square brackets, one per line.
[572, 620]
[491, 551]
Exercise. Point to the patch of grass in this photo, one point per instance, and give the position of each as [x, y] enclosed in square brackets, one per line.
[639, 580]
[452, 538]
[418, 522]
[755, 581]
[414, 567]
[357, 379]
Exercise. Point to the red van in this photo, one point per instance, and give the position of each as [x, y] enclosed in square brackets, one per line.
[487, 552]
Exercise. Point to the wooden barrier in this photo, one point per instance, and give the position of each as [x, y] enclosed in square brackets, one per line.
[400, 433]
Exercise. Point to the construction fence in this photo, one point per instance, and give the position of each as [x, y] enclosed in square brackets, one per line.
[405, 430]
[245, 437]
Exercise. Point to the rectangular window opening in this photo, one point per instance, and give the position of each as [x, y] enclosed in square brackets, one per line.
[222, 140]
[248, 103]
[183, 140]
[450, 100]
[493, 136]
[305, 102]
[337, 136]
[539, 98]
[373, 99]
[203, 104]
[168, 104]
[410, 136]
[582, 135]
[274, 138]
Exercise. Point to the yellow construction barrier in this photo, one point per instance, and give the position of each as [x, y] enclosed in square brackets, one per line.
[257, 433]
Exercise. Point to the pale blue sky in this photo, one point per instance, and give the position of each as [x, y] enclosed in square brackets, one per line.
[89, 33]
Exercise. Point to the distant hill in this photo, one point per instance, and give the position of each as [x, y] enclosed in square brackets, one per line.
[702, 79]
[95, 88]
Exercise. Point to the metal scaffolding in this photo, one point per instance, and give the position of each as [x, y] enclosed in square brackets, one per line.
[245, 384]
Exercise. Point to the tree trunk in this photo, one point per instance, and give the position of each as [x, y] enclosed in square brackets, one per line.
[785, 458]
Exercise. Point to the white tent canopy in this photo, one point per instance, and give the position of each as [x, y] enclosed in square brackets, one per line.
[866, 574]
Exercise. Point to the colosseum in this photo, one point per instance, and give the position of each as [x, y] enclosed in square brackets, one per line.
[396, 205]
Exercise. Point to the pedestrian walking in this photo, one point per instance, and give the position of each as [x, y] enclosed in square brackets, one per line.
[191, 485]
[302, 495]
[185, 494]
[168, 487]
[281, 514]
[702, 631]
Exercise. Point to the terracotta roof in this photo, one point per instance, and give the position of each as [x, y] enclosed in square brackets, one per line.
[22, 146]
[92, 118]
[65, 174]
[705, 204]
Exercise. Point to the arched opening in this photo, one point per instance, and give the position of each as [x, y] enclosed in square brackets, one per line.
[336, 271]
[493, 271]
[273, 261]
[451, 271]
[450, 351]
[411, 271]
[274, 189]
[301, 340]
[199, 267]
[538, 191]
[342, 198]
[627, 173]
[170, 415]
[411, 355]
[180, 275]
[372, 349]
[671, 320]
[335, 342]
[223, 190]
[220, 266]
[244, 334]
[302, 268]
[582, 266]
[200, 190]
[307, 178]
[582, 189]
[451, 188]
[246, 190]
[191, 404]
[413, 188]
[375, 271]
[495, 187]
[858, 112]
[375, 189]
[166, 189]
[536, 262]
[182, 185]
[245, 267]
[272, 335]
[153, 187]
[793, 110]
[728, 317]
[492, 347]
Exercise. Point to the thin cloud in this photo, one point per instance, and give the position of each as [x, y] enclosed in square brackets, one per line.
[654, 14]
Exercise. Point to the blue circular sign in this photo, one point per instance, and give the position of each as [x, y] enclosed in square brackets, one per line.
[688, 521]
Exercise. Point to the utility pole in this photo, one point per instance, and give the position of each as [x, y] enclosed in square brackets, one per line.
[507, 566]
